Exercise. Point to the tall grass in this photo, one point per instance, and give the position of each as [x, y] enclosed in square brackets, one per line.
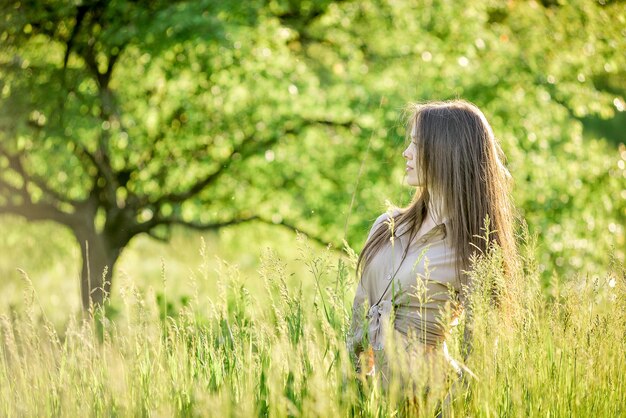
[282, 352]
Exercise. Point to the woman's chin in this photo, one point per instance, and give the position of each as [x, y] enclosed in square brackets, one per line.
[411, 182]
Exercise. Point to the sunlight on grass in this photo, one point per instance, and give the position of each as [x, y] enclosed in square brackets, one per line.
[279, 350]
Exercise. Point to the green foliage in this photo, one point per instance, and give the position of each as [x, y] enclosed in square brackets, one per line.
[292, 97]
[286, 101]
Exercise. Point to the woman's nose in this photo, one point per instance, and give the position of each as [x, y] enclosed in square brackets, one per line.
[406, 154]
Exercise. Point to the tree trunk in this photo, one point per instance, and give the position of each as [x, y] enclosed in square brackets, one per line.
[97, 255]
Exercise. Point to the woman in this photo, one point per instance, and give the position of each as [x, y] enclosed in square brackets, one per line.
[412, 266]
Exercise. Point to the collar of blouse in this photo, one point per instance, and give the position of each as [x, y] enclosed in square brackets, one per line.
[443, 224]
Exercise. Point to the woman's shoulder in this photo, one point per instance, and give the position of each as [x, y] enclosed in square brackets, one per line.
[382, 218]
[385, 216]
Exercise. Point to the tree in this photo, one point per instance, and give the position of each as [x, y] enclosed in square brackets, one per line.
[122, 118]
[127, 118]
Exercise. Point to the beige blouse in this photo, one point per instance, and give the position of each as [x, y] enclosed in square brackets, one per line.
[425, 281]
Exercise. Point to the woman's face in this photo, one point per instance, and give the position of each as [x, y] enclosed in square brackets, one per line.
[410, 155]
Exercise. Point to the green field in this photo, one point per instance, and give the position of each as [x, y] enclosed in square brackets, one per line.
[182, 144]
[204, 337]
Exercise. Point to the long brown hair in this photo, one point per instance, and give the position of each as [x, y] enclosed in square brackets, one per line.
[460, 162]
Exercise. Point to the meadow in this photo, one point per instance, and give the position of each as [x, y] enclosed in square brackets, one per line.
[186, 141]
[218, 338]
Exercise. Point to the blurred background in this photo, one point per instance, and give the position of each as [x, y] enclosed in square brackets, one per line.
[176, 134]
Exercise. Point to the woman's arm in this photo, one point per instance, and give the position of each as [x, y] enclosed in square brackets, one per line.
[359, 310]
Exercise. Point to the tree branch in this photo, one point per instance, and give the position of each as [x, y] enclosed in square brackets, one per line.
[310, 236]
[200, 185]
[28, 209]
[213, 226]
[8, 188]
[206, 226]
[86, 14]
[38, 212]
[245, 149]
[81, 11]
[15, 163]
[108, 112]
